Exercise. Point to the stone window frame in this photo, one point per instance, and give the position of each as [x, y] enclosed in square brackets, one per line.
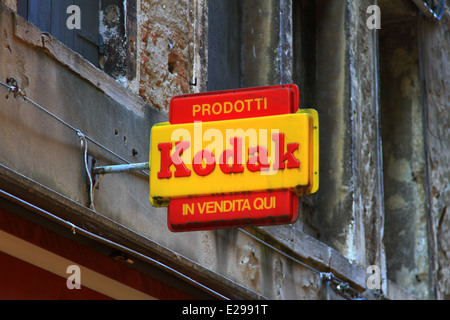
[31, 34]
[117, 42]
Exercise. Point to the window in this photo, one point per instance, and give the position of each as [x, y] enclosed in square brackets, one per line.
[106, 36]
[51, 16]
[248, 43]
[224, 44]
[404, 162]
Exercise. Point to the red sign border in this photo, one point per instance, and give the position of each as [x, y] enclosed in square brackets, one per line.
[286, 203]
[291, 205]
[176, 106]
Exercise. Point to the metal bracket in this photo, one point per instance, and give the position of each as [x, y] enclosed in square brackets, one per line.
[121, 168]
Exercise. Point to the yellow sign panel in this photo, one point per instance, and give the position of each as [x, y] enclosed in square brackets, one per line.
[243, 155]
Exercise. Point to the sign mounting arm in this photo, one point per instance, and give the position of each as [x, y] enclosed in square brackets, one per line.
[121, 168]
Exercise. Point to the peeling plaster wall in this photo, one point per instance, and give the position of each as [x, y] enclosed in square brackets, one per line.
[258, 267]
[435, 41]
[368, 174]
[48, 149]
[405, 196]
[347, 217]
[112, 28]
[166, 56]
[335, 198]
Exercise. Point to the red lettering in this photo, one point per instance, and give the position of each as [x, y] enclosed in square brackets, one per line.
[259, 162]
[236, 153]
[168, 160]
[281, 157]
[204, 161]
[198, 162]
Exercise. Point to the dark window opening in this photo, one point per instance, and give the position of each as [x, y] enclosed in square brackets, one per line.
[404, 164]
[249, 43]
[51, 16]
[107, 32]
[224, 44]
[304, 50]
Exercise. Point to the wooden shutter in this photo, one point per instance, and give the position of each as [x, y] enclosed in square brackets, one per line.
[51, 16]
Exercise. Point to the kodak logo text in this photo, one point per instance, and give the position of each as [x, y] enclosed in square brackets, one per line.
[230, 161]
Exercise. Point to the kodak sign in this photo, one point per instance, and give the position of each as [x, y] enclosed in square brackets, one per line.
[234, 158]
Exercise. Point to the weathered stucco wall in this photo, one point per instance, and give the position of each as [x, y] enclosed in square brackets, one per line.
[345, 221]
[404, 160]
[166, 56]
[42, 149]
[435, 42]
[365, 245]
[414, 90]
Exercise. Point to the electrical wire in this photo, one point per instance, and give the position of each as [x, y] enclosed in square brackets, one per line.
[75, 229]
[17, 91]
[12, 87]
[84, 146]
[327, 276]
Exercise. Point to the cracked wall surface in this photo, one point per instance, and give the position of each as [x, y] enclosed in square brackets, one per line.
[166, 55]
[435, 40]
[343, 228]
